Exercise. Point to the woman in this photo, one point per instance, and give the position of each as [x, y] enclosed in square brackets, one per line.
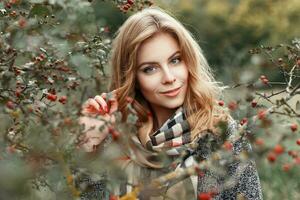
[160, 69]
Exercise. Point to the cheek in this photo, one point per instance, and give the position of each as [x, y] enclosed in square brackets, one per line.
[148, 85]
[182, 73]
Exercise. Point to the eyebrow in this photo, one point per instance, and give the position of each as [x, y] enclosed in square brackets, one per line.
[156, 62]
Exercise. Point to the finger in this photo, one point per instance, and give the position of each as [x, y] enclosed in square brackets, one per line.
[90, 107]
[113, 106]
[102, 102]
[112, 101]
[110, 96]
[94, 103]
[129, 99]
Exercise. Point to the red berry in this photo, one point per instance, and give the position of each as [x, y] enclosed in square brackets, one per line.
[10, 105]
[259, 141]
[262, 77]
[11, 149]
[278, 149]
[22, 22]
[106, 29]
[262, 114]
[297, 160]
[298, 61]
[253, 104]
[63, 68]
[62, 99]
[8, 5]
[18, 92]
[51, 97]
[227, 145]
[17, 72]
[130, 2]
[113, 197]
[294, 127]
[271, 157]
[221, 103]
[42, 56]
[126, 7]
[204, 196]
[13, 13]
[13, 1]
[244, 121]
[298, 141]
[286, 167]
[292, 153]
[265, 81]
[232, 105]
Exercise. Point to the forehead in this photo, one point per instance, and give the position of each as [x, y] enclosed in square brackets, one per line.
[157, 48]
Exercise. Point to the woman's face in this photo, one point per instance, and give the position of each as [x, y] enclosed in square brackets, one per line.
[161, 70]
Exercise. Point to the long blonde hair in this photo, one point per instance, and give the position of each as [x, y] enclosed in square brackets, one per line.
[202, 91]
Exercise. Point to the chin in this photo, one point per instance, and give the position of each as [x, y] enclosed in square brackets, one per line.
[173, 104]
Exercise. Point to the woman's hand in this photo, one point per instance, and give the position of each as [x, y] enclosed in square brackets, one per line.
[92, 135]
[104, 105]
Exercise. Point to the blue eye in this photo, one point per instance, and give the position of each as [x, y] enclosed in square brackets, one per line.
[178, 59]
[148, 69]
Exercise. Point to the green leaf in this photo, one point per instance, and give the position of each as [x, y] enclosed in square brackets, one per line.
[39, 10]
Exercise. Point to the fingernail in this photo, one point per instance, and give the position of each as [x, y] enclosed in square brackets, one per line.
[149, 114]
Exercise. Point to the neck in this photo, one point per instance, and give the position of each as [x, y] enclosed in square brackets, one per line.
[161, 115]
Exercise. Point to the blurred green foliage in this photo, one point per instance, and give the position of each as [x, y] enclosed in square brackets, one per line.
[62, 46]
[227, 29]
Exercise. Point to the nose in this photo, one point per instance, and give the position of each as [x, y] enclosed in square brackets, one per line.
[168, 76]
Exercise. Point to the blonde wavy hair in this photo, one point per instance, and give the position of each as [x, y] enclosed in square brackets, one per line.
[203, 91]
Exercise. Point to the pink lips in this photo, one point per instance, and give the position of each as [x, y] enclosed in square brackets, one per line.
[172, 93]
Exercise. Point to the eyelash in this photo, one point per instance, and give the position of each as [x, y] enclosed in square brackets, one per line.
[146, 68]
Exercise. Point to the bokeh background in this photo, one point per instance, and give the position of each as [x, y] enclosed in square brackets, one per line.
[226, 30]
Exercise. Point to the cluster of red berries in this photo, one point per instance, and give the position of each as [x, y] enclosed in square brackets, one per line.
[127, 6]
[287, 166]
[231, 105]
[53, 97]
[277, 150]
[39, 58]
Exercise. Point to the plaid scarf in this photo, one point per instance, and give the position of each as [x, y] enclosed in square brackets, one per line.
[172, 138]
[174, 133]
